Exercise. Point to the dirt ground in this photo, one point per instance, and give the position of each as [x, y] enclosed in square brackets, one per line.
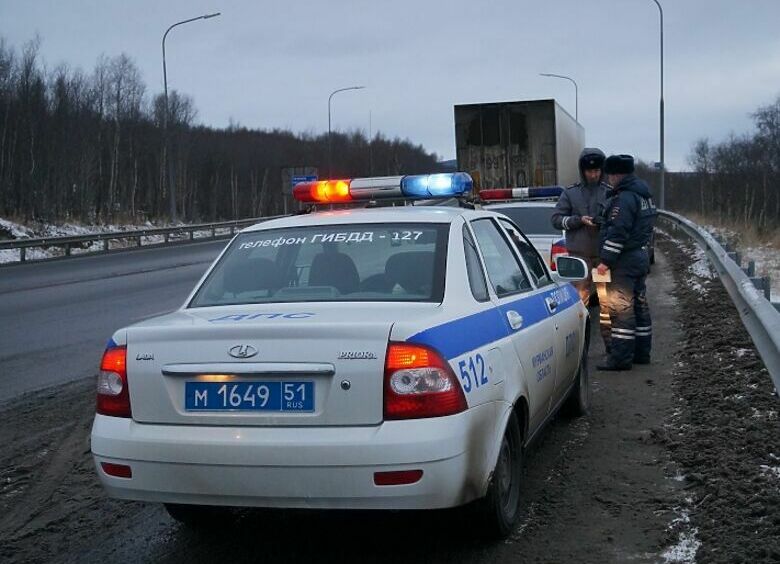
[725, 431]
[678, 461]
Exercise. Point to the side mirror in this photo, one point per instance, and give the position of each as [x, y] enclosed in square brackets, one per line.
[571, 268]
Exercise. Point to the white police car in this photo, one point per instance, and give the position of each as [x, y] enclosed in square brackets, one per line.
[531, 209]
[389, 358]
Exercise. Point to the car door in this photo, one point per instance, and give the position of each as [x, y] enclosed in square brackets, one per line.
[559, 302]
[524, 311]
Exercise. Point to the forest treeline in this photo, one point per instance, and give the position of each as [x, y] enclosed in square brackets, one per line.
[89, 146]
[735, 181]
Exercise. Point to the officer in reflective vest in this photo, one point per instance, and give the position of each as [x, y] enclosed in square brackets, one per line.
[629, 217]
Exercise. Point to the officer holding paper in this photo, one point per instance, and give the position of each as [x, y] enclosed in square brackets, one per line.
[629, 217]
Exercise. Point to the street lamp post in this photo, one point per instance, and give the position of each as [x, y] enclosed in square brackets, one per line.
[661, 193]
[576, 93]
[166, 173]
[329, 99]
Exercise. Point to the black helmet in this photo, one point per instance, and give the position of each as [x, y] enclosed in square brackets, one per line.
[591, 159]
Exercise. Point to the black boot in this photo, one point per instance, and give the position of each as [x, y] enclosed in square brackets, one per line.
[612, 366]
[642, 360]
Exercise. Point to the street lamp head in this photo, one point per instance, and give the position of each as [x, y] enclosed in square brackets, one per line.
[214, 15]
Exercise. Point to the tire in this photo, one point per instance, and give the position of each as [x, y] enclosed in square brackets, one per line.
[199, 516]
[578, 402]
[500, 508]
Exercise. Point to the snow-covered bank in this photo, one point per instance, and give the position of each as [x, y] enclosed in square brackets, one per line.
[766, 257]
[11, 230]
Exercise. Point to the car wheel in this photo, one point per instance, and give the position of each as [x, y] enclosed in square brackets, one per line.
[199, 516]
[500, 508]
[578, 402]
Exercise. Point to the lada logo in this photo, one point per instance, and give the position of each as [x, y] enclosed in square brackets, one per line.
[242, 351]
[356, 355]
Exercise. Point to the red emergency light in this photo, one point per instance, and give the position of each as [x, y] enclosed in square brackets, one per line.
[527, 193]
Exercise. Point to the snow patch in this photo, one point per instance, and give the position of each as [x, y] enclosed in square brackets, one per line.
[687, 543]
[770, 470]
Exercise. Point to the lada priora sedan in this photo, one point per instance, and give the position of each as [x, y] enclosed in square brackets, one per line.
[389, 358]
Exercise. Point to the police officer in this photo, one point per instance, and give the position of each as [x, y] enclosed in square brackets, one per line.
[628, 224]
[577, 213]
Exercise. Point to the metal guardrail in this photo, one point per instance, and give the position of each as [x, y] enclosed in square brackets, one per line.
[78, 241]
[758, 315]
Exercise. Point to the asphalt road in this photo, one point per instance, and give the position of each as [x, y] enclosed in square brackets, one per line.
[55, 317]
[671, 465]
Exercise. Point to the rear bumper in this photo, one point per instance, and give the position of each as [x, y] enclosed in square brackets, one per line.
[326, 467]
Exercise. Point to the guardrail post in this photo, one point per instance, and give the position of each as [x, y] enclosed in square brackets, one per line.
[22, 254]
[166, 237]
[734, 255]
[67, 249]
[139, 241]
[192, 234]
[213, 232]
[105, 244]
[761, 283]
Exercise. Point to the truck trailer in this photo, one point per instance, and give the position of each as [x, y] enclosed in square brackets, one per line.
[515, 144]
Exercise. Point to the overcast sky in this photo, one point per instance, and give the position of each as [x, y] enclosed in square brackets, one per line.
[273, 63]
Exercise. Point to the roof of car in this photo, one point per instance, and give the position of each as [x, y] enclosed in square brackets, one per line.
[399, 214]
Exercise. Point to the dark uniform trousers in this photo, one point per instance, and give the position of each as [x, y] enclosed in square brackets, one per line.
[585, 289]
[628, 317]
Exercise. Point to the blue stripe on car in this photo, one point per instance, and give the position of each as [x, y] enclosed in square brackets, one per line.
[465, 334]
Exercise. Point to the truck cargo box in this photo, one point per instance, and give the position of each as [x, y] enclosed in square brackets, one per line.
[523, 143]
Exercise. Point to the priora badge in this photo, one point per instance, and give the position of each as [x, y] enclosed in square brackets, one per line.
[242, 351]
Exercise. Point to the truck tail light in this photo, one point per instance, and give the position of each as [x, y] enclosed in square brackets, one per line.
[558, 249]
[419, 383]
[113, 396]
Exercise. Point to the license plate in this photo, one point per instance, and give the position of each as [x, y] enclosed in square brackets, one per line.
[249, 396]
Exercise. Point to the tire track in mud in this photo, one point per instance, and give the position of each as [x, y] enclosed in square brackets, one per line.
[47, 482]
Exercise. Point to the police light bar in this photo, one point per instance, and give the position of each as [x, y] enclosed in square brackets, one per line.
[528, 193]
[416, 186]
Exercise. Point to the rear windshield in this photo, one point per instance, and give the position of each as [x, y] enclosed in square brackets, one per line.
[531, 221]
[354, 262]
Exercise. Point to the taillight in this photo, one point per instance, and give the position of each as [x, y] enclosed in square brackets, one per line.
[113, 397]
[558, 249]
[117, 470]
[419, 383]
[397, 478]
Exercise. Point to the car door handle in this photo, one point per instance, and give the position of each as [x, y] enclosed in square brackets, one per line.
[515, 319]
[551, 304]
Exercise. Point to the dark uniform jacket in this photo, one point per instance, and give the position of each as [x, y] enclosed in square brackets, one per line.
[576, 201]
[629, 217]
[579, 200]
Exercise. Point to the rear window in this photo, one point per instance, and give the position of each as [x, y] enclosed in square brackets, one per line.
[532, 221]
[354, 262]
